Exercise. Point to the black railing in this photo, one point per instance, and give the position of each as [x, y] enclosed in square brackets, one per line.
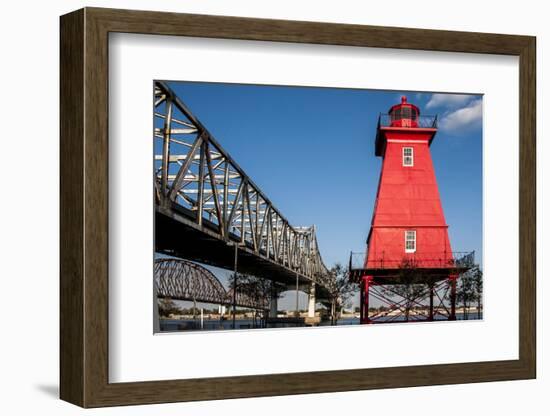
[456, 259]
[423, 122]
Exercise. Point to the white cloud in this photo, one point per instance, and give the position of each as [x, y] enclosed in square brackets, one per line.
[450, 101]
[465, 118]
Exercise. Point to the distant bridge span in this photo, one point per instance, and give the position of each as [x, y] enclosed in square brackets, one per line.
[205, 205]
[184, 280]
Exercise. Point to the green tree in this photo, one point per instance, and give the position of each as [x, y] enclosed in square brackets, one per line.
[410, 288]
[257, 289]
[470, 290]
[168, 307]
[340, 291]
[477, 277]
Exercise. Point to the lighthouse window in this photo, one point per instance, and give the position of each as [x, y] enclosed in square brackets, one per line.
[410, 241]
[396, 114]
[408, 158]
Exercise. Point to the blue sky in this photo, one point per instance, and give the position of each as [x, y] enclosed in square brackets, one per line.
[311, 150]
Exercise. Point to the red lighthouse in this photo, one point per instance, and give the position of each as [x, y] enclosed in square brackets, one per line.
[408, 242]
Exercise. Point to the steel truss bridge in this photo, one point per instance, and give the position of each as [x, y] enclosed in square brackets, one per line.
[207, 209]
[183, 280]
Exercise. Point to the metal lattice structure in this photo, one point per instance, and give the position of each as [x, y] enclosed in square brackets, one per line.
[427, 304]
[184, 280]
[197, 180]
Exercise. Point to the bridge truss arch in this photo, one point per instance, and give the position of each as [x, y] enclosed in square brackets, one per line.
[184, 280]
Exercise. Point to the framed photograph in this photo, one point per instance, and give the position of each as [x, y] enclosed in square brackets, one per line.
[255, 207]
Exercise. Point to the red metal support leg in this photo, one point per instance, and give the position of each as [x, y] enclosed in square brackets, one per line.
[361, 302]
[431, 313]
[452, 282]
[365, 285]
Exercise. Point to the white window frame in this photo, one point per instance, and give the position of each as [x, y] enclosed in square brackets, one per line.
[413, 240]
[411, 156]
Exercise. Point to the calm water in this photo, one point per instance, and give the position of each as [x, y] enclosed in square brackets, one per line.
[170, 325]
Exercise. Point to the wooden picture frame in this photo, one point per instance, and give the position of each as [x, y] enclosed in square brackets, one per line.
[84, 207]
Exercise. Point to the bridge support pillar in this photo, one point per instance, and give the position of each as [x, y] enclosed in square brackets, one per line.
[273, 304]
[311, 301]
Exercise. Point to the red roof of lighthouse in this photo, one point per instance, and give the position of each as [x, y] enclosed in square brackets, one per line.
[403, 104]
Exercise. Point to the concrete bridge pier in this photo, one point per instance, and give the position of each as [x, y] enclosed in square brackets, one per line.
[273, 304]
[311, 301]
